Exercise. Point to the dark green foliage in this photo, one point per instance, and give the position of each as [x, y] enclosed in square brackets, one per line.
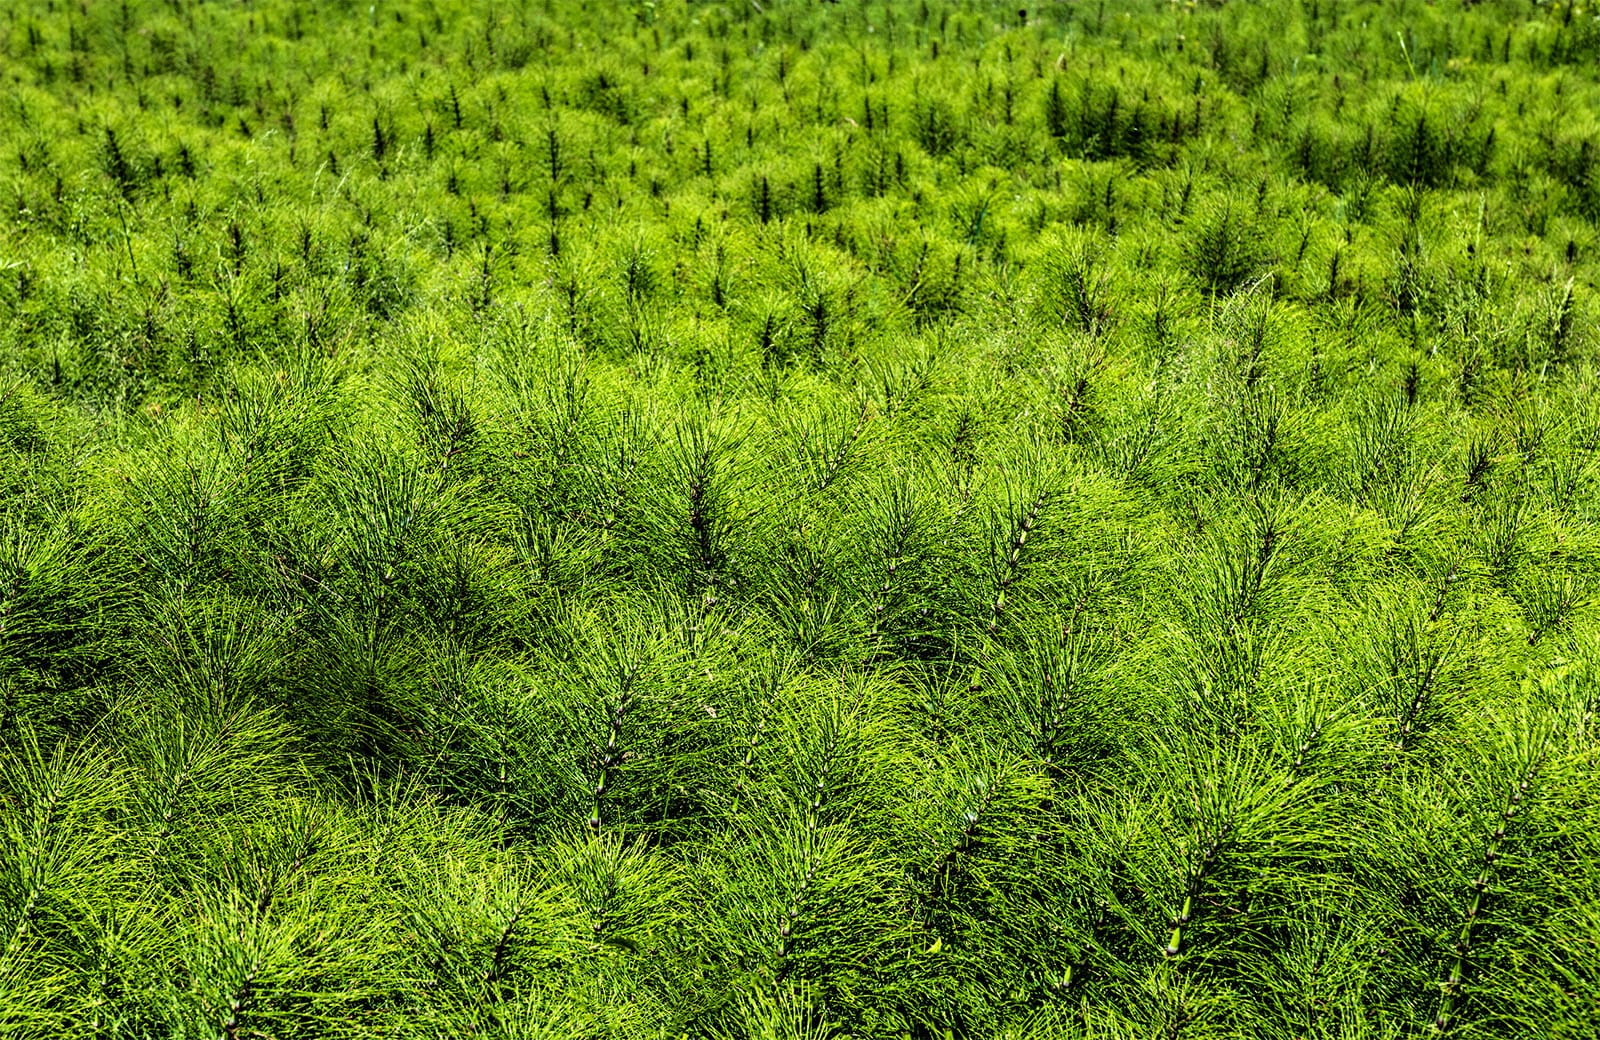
[778, 520]
[1223, 248]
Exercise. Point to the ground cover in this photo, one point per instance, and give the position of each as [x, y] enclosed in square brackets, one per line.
[777, 519]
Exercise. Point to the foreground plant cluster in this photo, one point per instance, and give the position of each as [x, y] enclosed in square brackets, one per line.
[790, 520]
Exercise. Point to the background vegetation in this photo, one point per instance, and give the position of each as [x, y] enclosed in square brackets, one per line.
[790, 520]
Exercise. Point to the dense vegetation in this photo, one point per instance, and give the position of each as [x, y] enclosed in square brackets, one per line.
[797, 520]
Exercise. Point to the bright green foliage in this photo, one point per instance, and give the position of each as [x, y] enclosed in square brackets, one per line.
[799, 520]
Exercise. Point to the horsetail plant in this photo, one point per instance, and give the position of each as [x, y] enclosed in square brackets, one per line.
[911, 519]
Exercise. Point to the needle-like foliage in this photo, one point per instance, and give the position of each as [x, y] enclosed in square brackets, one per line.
[799, 521]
